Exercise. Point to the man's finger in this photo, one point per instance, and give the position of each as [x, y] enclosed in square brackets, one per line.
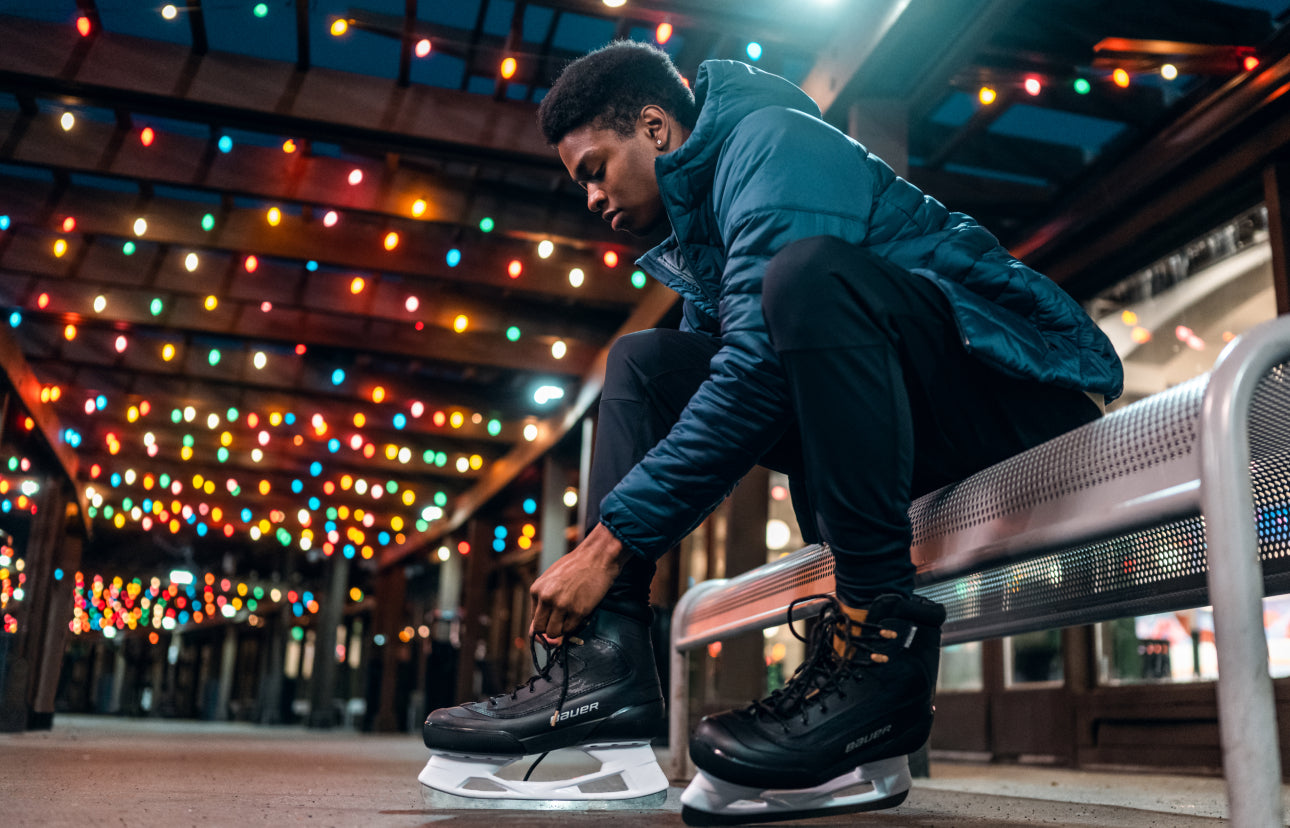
[554, 627]
[541, 615]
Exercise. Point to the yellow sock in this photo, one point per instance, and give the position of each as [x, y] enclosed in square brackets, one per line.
[857, 616]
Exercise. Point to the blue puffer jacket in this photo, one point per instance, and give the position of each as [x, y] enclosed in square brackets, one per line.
[761, 170]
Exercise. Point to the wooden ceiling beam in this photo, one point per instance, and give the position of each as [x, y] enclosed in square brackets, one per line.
[359, 246]
[240, 328]
[242, 92]
[302, 177]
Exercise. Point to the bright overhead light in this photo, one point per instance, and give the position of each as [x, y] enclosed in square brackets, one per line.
[613, 4]
[547, 393]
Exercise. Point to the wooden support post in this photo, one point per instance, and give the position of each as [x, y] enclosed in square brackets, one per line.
[1276, 195]
[479, 565]
[272, 663]
[227, 667]
[742, 673]
[322, 712]
[882, 125]
[555, 515]
[34, 653]
[391, 594]
[58, 614]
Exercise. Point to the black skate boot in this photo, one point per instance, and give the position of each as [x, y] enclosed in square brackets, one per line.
[598, 686]
[856, 707]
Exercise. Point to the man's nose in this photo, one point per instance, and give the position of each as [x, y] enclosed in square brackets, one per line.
[595, 200]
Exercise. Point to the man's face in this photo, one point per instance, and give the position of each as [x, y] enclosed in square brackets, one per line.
[618, 175]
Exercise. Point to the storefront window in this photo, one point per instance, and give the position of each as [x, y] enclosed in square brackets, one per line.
[1033, 658]
[1169, 323]
[1179, 646]
[960, 667]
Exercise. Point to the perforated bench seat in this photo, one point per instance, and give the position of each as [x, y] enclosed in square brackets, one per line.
[1103, 522]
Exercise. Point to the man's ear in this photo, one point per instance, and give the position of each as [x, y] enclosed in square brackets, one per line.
[656, 124]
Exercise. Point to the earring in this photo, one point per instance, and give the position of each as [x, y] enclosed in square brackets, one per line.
[659, 142]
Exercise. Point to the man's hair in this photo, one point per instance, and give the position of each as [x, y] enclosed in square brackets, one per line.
[608, 88]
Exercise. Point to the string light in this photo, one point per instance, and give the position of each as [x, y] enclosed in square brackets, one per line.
[508, 68]
[339, 27]
[146, 136]
[422, 48]
[1120, 78]
[68, 120]
[1032, 86]
[1169, 71]
[419, 207]
[987, 95]
[391, 240]
[84, 26]
[663, 32]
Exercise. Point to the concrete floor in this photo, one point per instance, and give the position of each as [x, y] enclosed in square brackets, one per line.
[110, 771]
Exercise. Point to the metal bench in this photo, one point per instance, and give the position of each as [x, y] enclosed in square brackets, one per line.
[1117, 518]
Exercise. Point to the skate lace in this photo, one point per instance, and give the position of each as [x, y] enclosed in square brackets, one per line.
[823, 674]
[554, 654]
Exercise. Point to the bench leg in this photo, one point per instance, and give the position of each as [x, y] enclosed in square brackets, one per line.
[1246, 709]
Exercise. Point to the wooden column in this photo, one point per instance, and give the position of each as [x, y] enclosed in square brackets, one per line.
[742, 664]
[882, 125]
[479, 564]
[391, 594]
[1276, 195]
[554, 514]
[322, 712]
[34, 656]
[58, 612]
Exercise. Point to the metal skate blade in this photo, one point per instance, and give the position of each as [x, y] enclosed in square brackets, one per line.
[443, 801]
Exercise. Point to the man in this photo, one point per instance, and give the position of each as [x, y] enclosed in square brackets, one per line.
[838, 325]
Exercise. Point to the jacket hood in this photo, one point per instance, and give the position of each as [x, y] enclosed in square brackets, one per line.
[726, 91]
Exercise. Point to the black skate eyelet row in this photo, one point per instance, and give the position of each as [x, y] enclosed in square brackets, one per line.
[823, 672]
[554, 653]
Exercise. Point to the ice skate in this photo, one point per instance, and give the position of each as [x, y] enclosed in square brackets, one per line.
[835, 738]
[596, 693]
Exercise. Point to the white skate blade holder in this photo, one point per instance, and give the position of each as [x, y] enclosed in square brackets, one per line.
[871, 787]
[606, 777]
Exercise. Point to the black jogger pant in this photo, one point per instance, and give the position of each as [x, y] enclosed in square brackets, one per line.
[888, 406]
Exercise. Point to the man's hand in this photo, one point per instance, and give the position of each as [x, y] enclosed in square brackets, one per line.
[571, 587]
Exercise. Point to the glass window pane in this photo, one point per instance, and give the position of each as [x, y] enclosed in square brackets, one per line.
[1034, 658]
[960, 667]
[1179, 646]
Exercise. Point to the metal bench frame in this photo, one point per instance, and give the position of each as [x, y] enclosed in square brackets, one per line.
[1118, 518]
